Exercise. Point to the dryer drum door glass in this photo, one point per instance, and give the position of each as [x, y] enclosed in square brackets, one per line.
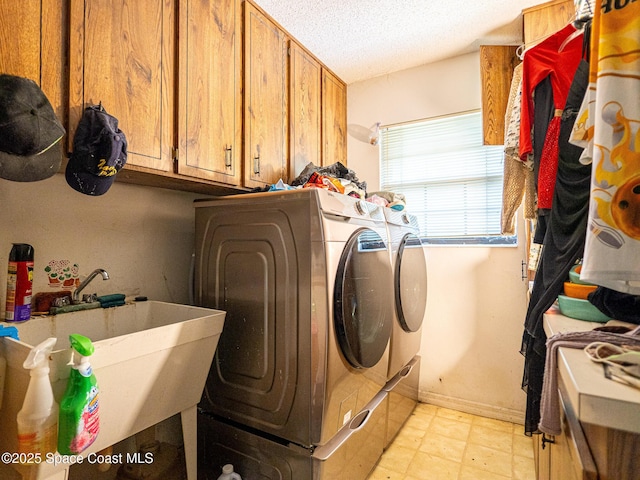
[411, 283]
[363, 299]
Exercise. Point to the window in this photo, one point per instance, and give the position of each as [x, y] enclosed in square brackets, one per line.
[451, 181]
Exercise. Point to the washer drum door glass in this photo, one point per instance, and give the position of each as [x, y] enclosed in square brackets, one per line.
[411, 283]
[363, 299]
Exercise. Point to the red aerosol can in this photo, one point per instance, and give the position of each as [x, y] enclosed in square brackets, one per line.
[19, 283]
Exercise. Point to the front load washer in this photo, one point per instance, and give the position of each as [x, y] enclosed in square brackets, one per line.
[410, 299]
[305, 278]
[409, 287]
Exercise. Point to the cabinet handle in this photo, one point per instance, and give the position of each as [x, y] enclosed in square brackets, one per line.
[256, 164]
[227, 157]
[546, 440]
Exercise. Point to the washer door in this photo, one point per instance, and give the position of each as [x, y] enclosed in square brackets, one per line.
[411, 283]
[362, 299]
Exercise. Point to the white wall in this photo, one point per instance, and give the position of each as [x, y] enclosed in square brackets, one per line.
[476, 301]
[142, 236]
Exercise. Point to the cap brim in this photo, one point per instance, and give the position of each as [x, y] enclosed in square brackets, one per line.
[31, 168]
[87, 183]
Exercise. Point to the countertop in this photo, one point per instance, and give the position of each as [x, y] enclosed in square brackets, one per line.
[595, 399]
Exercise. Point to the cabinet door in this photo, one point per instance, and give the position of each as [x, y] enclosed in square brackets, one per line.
[122, 54]
[304, 117]
[32, 45]
[497, 63]
[571, 457]
[541, 454]
[334, 120]
[210, 90]
[265, 97]
[547, 18]
[20, 32]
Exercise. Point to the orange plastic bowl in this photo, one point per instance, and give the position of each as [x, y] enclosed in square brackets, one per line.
[574, 275]
[578, 290]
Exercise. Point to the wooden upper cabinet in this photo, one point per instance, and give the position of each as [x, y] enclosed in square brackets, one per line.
[122, 55]
[20, 48]
[334, 119]
[545, 19]
[305, 110]
[210, 91]
[265, 100]
[32, 34]
[497, 63]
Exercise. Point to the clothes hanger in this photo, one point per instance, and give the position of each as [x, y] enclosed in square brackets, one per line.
[522, 49]
[569, 38]
[583, 13]
[584, 10]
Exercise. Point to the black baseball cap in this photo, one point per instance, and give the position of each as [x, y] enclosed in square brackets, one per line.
[30, 132]
[99, 152]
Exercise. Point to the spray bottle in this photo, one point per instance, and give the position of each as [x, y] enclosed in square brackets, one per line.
[79, 420]
[19, 283]
[38, 418]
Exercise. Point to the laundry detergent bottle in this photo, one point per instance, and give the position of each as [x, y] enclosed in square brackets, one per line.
[38, 418]
[228, 473]
[79, 421]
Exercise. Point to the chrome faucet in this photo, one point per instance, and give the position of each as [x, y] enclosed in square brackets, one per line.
[85, 282]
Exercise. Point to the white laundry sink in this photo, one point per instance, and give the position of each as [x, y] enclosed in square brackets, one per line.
[151, 362]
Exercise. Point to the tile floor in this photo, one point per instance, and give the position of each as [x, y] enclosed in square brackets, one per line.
[437, 443]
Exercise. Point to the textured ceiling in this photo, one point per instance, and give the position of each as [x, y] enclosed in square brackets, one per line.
[362, 39]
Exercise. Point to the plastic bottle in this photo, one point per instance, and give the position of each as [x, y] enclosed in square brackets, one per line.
[5, 332]
[228, 473]
[38, 418]
[79, 408]
[19, 283]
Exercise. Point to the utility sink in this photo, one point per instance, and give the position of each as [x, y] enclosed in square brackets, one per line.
[151, 362]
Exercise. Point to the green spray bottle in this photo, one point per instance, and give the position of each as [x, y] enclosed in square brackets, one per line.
[79, 422]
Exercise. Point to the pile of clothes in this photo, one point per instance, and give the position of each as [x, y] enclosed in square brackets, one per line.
[340, 179]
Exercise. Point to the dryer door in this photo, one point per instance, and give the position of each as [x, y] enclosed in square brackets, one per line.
[362, 299]
[411, 283]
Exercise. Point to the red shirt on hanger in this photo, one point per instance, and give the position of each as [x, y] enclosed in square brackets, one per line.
[542, 60]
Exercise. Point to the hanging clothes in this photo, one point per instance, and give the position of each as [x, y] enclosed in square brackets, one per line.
[547, 59]
[543, 113]
[563, 245]
[518, 184]
[608, 127]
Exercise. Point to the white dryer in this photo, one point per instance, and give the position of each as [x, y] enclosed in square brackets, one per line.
[410, 300]
[305, 278]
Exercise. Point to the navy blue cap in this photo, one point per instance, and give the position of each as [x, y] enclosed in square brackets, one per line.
[99, 152]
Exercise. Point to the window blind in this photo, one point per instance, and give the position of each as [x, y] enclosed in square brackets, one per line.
[451, 181]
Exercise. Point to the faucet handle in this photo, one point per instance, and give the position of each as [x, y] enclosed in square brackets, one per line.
[61, 301]
[89, 297]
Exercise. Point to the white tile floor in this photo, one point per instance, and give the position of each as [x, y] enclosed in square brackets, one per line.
[441, 444]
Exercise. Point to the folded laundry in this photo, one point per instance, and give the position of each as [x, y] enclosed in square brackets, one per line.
[115, 303]
[397, 201]
[113, 300]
